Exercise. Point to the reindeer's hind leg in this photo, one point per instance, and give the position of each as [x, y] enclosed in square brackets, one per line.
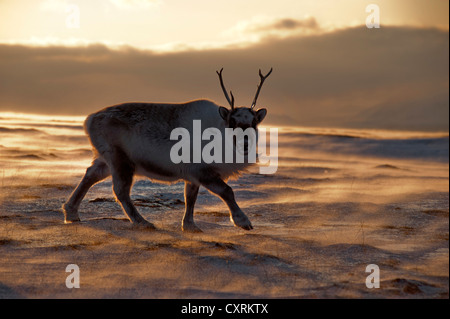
[217, 186]
[122, 171]
[94, 174]
[190, 196]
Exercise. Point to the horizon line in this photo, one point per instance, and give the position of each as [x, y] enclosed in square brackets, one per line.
[178, 47]
[299, 128]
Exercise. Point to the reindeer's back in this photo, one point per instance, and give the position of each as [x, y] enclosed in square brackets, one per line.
[154, 119]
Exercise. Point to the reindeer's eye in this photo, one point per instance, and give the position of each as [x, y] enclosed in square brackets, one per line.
[232, 123]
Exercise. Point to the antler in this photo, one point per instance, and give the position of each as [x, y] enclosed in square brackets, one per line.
[231, 102]
[260, 85]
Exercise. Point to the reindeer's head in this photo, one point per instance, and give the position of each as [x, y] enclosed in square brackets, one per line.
[242, 117]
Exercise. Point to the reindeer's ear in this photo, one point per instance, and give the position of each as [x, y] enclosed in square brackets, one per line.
[224, 112]
[260, 115]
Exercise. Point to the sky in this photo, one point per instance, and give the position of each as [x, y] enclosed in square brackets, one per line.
[77, 56]
[166, 24]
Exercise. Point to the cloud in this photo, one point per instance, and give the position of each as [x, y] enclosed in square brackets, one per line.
[58, 6]
[35, 41]
[261, 27]
[286, 24]
[385, 78]
[135, 4]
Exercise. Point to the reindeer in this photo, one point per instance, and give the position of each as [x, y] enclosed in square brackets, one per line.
[133, 139]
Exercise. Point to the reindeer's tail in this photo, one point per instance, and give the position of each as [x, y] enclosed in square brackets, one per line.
[88, 122]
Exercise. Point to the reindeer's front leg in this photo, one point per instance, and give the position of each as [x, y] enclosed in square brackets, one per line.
[190, 196]
[220, 188]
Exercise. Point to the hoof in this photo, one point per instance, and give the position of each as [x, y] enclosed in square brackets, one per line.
[70, 215]
[242, 221]
[144, 225]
